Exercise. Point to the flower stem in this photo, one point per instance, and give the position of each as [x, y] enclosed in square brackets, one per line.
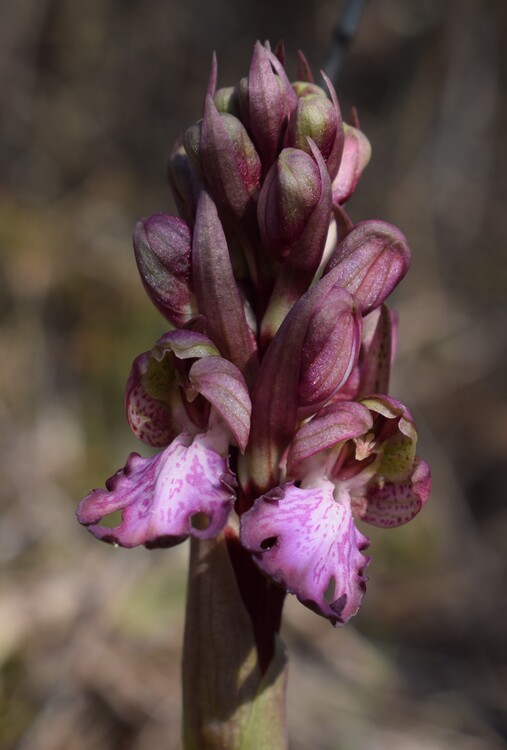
[233, 692]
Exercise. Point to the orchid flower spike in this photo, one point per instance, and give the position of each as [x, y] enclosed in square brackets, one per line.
[268, 397]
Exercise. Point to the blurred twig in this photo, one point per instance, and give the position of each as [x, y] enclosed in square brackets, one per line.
[342, 37]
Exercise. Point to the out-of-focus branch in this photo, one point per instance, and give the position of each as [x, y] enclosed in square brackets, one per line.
[343, 34]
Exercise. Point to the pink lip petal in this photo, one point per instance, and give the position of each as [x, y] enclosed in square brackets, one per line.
[308, 543]
[159, 496]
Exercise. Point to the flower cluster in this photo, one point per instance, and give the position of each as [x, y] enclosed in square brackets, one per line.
[268, 395]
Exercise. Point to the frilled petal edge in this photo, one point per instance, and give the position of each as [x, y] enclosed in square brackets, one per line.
[186, 489]
[308, 543]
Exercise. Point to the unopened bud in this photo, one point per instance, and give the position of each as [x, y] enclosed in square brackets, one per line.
[229, 160]
[315, 118]
[162, 247]
[287, 199]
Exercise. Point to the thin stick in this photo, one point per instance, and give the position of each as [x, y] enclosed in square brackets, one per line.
[343, 34]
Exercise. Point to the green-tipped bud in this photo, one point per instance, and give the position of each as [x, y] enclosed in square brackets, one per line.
[229, 161]
[226, 100]
[290, 192]
[305, 88]
[192, 144]
[315, 118]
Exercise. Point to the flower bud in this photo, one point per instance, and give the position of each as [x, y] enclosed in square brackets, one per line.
[226, 100]
[229, 160]
[356, 155]
[271, 100]
[370, 262]
[315, 118]
[330, 350]
[287, 199]
[306, 88]
[162, 247]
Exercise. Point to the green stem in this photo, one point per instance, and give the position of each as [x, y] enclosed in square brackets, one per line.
[230, 701]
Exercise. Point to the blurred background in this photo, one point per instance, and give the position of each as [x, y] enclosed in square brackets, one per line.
[92, 96]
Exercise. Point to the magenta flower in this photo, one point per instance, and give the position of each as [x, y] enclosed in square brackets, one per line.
[269, 397]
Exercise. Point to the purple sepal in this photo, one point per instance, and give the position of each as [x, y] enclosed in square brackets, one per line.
[222, 384]
[331, 425]
[302, 263]
[290, 192]
[153, 397]
[217, 293]
[229, 160]
[155, 412]
[304, 72]
[390, 504]
[284, 383]
[308, 543]
[160, 496]
[370, 262]
[213, 76]
[330, 350]
[355, 157]
[162, 247]
[267, 105]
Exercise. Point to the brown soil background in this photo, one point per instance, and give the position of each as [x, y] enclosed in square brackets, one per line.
[92, 95]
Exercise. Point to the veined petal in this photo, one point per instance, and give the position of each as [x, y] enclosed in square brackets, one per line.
[231, 165]
[219, 381]
[370, 262]
[267, 104]
[160, 496]
[308, 543]
[333, 424]
[389, 504]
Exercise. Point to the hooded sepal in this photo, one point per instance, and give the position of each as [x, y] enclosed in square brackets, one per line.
[370, 262]
[307, 542]
[187, 489]
[154, 399]
[222, 384]
[162, 246]
[330, 427]
[330, 350]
